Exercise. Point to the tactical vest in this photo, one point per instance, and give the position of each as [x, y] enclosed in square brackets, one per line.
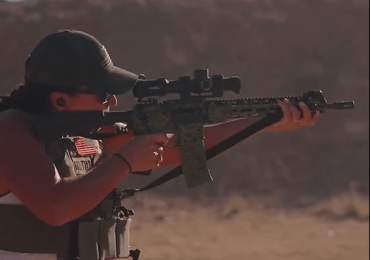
[101, 233]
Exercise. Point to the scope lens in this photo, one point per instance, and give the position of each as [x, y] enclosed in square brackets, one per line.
[206, 85]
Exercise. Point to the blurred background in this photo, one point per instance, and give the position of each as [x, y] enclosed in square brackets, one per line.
[294, 196]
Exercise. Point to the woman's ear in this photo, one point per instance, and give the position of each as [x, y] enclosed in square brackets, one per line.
[58, 101]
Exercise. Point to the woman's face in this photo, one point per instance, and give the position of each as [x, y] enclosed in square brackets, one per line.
[83, 102]
[89, 102]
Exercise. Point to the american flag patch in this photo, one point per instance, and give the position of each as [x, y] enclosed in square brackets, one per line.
[85, 147]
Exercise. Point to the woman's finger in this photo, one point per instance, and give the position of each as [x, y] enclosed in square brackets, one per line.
[295, 113]
[309, 119]
[172, 140]
[315, 117]
[286, 111]
[158, 157]
[307, 115]
[161, 139]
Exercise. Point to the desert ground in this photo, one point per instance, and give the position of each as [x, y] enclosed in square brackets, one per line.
[238, 230]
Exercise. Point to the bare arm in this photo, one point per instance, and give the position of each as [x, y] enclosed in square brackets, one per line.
[28, 172]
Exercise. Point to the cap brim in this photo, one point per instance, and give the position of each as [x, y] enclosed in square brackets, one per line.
[118, 81]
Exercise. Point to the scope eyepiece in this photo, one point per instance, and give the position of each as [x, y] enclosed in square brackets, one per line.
[206, 84]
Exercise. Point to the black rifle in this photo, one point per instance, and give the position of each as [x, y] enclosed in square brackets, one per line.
[185, 116]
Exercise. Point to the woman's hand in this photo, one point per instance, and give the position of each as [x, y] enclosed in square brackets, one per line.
[293, 119]
[145, 153]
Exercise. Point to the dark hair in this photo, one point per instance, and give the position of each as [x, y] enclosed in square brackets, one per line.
[27, 99]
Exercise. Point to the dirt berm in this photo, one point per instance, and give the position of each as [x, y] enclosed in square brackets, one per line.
[276, 48]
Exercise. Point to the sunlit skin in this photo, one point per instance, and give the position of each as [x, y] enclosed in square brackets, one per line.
[55, 200]
[292, 120]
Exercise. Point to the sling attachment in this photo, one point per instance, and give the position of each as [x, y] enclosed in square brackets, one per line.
[119, 210]
[266, 121]
[109, 236]
[122, 213]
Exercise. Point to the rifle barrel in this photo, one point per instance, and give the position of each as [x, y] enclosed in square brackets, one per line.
[340, 105]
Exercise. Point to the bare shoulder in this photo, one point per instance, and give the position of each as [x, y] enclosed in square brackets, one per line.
[10, 125]
[25, 167]
[9, 121]
[14, 128]
[16, 141]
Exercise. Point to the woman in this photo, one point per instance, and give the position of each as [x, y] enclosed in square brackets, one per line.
[51, 186]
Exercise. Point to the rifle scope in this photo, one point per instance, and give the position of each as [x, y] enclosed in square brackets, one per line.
[202, 83]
